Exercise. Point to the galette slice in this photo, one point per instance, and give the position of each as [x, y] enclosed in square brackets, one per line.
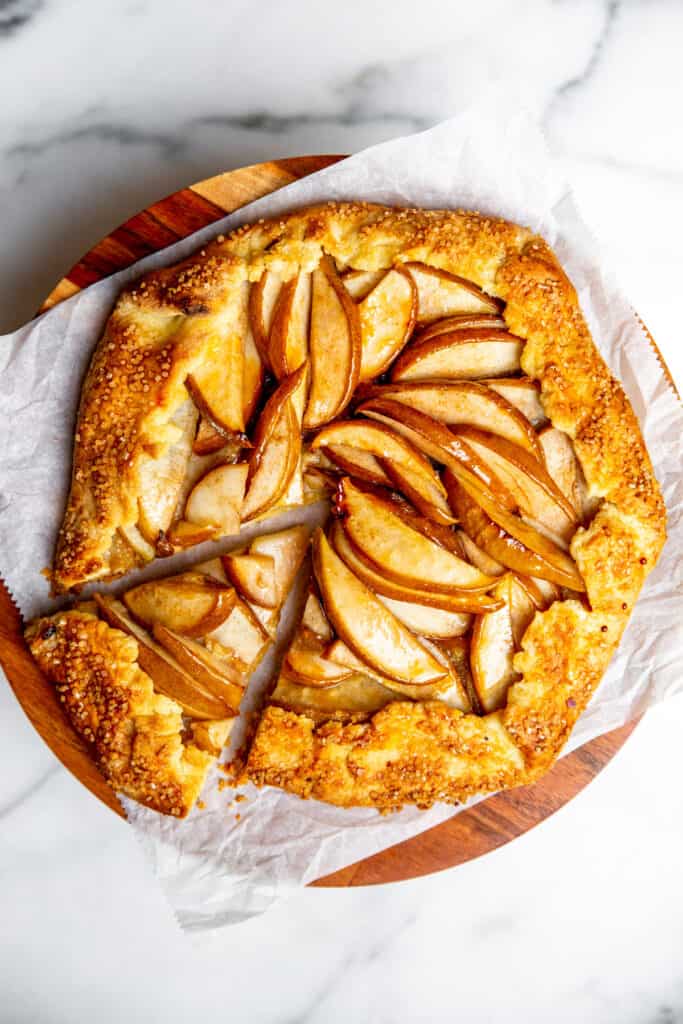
[153, 681]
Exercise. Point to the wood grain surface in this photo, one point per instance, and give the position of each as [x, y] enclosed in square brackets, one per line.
[476, 831]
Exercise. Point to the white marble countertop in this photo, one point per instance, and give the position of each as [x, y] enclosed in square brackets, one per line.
[110, 105]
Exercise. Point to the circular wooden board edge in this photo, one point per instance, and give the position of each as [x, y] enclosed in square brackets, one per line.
[484, 827]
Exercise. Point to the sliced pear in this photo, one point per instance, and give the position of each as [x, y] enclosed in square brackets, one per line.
[335, 347]
[462, 322]
[506, 538]
[477, 556]
[465, 601]
[460, 355]
[384, 443]
[358, 462]
[398, 551]
[161, 478]
[436, 440]
[189, 604]
[564, 468]
[277, 448]
[314, 618]
[241, 641]
[442, 294]
[341, 654]
[288, 342]
[542, 592]
[207, 439]
[254, 577]
[366, 626]
[360, 283]
[185, 535]
[457, 651]
[534, 490]
[216, 385]
[428, 500]
[306, 664]
[166, 674]
[357, 694]
[492, 650]
[464, 403]
[216, 500]
[523, 607]
[217, 679]
[262, 301]
[252, 376]
[137, 542]
[318, 484]
[426, 621]
[387, 318]
[287, 549]
[524, 394]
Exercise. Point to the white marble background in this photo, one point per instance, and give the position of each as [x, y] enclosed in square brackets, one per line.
[106, 106]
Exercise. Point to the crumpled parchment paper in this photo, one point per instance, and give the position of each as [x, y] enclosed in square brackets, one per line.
[217, 868]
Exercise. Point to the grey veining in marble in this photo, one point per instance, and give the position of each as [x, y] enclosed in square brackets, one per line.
[105, 107]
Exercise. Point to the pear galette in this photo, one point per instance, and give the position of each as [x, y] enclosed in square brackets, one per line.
[494, 509]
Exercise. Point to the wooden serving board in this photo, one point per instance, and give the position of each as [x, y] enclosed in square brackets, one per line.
[489, 824]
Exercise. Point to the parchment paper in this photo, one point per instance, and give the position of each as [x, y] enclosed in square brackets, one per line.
[215, 868]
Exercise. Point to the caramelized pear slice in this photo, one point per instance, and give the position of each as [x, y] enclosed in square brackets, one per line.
[387, 318]
[335, 347]
[185, 535]
[207, 439]
[216, 385]
[287, 549]
[441, 294]
[161, 478]
[426, 621]
[366, 626]
[216, 678]
[464, 601]
[241, 641]
[510, 541]
[277, 448]
[464, 403]
[189, 604]
[360, 283]
[436, 440]
[398, 551]
[492, 650]
[216, 500]
[254, 577]
[357, 462]
[341, 654]
[461, 322]
[306, 664]
[252, 377]
[524, 394]
[166, 674]
[314, 618]
[288, 343]
[461, 355]
[356, 694]
[384, 443]
[262, 301]
[565, 470]
[534, 490]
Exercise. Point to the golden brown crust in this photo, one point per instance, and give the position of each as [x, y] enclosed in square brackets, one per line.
[135, 734]
[408, 752]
